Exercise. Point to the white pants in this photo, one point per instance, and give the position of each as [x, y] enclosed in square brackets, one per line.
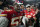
[3, 22]
[23, 20]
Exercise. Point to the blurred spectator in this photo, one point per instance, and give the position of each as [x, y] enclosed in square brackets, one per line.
[1, 4]
[36, 10]
[38, 19]
[5, 8]
[32, 7]
[11, 7]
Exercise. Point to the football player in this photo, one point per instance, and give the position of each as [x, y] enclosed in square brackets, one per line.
[29, 14]
[9, 15]
[32, 7]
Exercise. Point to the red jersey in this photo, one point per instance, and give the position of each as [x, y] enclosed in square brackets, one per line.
[9, 13]
[22, 13]
[32, 10]
[16, 16]
[30, 14]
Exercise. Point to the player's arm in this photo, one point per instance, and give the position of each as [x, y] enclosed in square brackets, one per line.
[34, 17]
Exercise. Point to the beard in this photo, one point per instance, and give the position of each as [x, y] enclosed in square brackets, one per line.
[18, 11]
[29, 10]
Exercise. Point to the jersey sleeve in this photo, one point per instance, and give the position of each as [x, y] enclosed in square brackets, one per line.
[2, 13]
